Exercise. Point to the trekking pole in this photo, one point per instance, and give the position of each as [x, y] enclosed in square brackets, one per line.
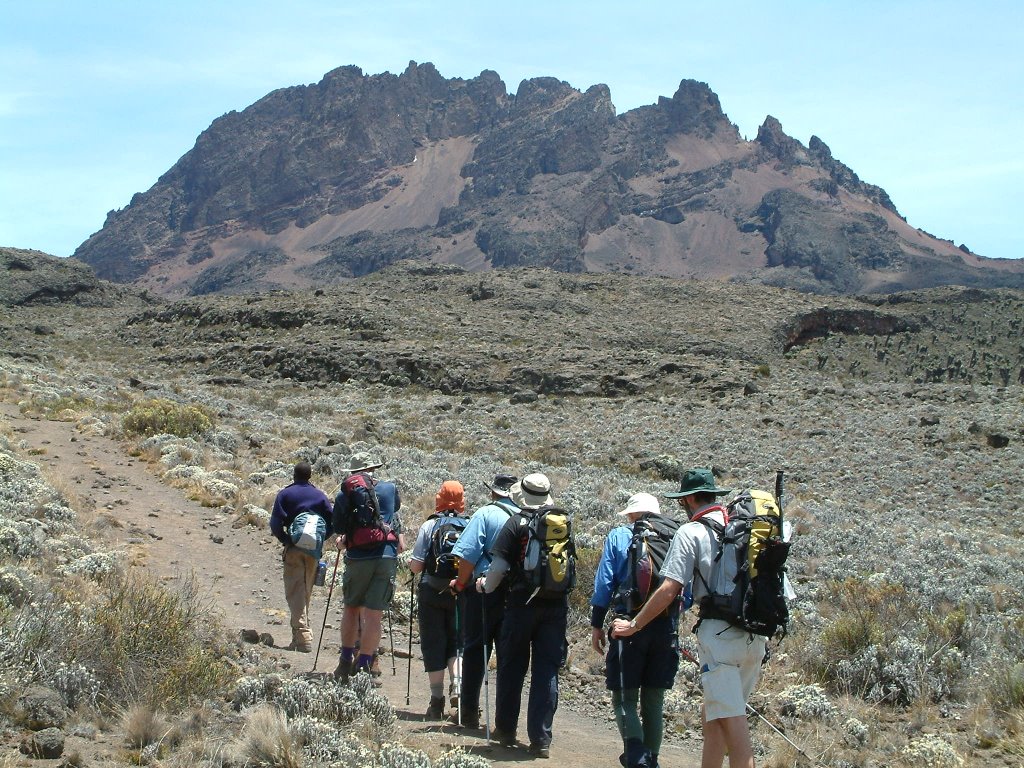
[327, 608]
[391, 640]
[487, 669]
[622, 687]
[778, 496]
[408, 671]
[457, 680]
[789, 741]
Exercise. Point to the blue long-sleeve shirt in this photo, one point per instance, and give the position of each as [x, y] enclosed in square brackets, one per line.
[474, 545]
[612, 570]
[293, 500]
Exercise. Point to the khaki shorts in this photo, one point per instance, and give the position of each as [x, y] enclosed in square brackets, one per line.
[730, 666]
[369, 583]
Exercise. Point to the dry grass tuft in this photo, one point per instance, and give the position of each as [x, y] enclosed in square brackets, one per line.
[143, 726]
[266, 741]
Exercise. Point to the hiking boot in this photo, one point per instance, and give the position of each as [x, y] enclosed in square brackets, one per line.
[343, 671]
[453, 696]
[435, 711]
[471, 721]
[540, 750]
[504, 738]
[300, 647]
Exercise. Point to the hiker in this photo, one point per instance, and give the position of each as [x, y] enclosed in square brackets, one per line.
[730, 657]
[640, 669]
[437, 614]
[533, 632]
[300, 564]
[369, 528]
[481, 614]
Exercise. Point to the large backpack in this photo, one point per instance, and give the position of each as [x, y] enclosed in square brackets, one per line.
[366, 528]
[549, 552]
[307, 531]
[439, 561]
[746, 586]
[652, 535]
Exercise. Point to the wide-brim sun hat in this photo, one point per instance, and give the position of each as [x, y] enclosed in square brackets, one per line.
[697, 481]
[363, 461]
[641, 502]
[532, 491]
[502, 485]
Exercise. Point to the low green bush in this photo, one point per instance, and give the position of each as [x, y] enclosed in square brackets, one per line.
[156, 417]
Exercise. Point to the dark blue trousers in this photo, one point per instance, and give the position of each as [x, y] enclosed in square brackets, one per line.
[535, 629]
[481, 620]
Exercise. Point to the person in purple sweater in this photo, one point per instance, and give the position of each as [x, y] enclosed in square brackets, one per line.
[299, 566]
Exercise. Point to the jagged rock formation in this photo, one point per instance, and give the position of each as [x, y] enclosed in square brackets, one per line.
[316, 184]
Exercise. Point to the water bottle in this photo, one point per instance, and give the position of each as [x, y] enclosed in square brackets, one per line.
[321, 574]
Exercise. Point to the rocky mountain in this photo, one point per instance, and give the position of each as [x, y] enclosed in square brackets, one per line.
[315, 184]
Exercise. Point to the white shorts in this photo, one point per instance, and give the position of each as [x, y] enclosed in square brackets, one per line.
[730, 666]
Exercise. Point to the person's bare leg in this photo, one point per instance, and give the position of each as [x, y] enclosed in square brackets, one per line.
[727, 736]
[349, 627]
[369, 640]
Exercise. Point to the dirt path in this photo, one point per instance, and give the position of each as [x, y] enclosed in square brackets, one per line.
[175, 538]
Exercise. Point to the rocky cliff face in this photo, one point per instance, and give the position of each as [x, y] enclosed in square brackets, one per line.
[315, 184]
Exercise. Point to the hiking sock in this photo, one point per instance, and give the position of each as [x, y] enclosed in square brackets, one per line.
[347, 654]
[625, 702]
[652, 706]
[437, 690]
[364, 662]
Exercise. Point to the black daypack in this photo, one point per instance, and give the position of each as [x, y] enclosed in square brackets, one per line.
[365, 526]
[652, 535]
[746, 586]
[549, 552]
[439, 561]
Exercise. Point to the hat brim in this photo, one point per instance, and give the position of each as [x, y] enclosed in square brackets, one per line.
[715, 491]
[500, 491]
[363, 469]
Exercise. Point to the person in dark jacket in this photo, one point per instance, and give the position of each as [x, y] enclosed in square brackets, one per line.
[533, 631]
[299, 565]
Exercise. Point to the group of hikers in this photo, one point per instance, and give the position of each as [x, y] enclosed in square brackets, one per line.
[498, 581]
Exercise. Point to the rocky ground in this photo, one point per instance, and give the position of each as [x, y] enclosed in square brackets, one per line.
[899, 422]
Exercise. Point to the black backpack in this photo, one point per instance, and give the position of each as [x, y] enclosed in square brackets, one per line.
[746, 586]
[652, 535]
[439, 561]
[365, 528]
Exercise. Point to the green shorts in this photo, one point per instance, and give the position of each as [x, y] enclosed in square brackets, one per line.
[369, 583]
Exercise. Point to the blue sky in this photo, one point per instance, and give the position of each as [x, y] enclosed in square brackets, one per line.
[925, 99]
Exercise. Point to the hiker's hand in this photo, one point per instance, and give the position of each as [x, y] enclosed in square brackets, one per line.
[339, 542]
[454, 587]
[621, 628]
[480, 584]
[597, 639]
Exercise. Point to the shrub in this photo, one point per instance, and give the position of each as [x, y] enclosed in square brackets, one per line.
[1006, 689]
[156, 417]
[153, 645]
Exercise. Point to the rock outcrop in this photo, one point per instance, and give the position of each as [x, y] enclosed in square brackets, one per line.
[320, 183]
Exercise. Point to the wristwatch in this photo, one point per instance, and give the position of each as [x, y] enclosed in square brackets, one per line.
[632, 623]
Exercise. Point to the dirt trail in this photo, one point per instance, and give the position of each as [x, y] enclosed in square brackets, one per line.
[239, 568]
